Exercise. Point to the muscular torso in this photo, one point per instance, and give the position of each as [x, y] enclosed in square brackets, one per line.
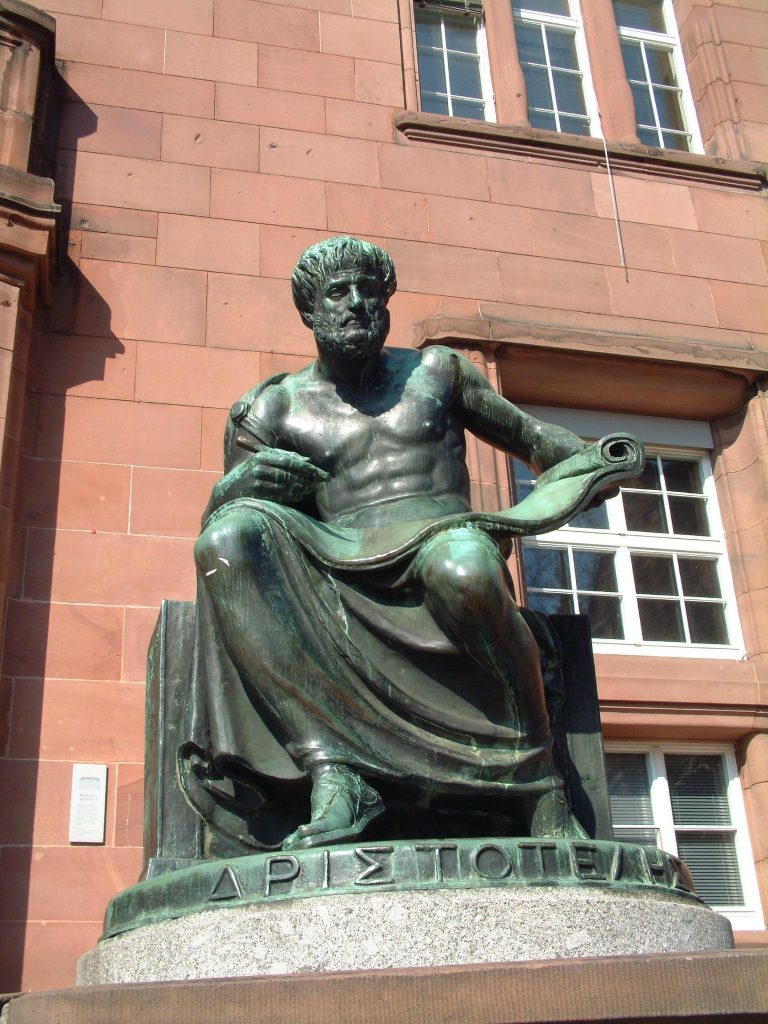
[397, 443]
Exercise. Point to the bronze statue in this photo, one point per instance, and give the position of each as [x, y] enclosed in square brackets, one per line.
[359, 642]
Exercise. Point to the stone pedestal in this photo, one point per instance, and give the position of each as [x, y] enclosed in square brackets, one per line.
[405, 930]
[402, 904]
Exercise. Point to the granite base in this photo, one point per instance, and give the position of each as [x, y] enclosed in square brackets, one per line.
[375, 930]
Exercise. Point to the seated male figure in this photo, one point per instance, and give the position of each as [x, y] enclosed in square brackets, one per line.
[342, 519]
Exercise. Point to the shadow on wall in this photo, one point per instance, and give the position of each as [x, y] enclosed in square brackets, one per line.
[59, 361]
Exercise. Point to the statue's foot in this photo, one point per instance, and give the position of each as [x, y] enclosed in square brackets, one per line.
[343, 804]
[549, 815]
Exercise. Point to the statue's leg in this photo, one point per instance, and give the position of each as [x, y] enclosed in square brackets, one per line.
[468, 590]
[246, 576]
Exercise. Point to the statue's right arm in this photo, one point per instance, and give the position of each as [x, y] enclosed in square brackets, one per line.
[262, 470]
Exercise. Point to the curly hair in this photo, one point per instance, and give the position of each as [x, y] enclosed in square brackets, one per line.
[326, 257]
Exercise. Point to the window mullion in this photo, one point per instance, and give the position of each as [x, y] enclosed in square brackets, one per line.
[550, 78]
[444, 43]
[681, 599]
[660, 801]
[629, 610]
[572, 574]
[486, 82]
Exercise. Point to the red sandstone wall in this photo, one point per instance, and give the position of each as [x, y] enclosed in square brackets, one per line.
[204, 144]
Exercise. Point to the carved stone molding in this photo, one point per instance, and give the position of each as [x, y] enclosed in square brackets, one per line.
[577, 151]
[28, 212]
[700, 374]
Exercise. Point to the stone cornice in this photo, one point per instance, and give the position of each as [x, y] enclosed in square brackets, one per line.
[574, 150]
[497, 331]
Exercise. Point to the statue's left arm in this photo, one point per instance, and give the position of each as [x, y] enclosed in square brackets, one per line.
[494, 419]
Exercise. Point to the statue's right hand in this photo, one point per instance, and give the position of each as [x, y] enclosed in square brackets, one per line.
[280, 475]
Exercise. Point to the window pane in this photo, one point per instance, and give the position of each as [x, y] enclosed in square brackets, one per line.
[644, 512]
[428, 30]
[689, 516]
[654, 574]
[539, 93]
[464, 75]
[530, 45]
[699, 577]
[706, 622]
[593, 518]
[594, 570]
[461, 34]
[433, 104]
[551, 604]
[649, 478]
[546, 567]
[711, 858]
[660, 620]
[679, 142]
[432, 71]
[562, 48]
[604, 614]
[633, 60]
[668, 106]
[660, 66]
[648, 136]
[542, 119]
[643, 108]
[645, 14]
[521, 471]
[569, 93]
[697, 789]
[467, 108]
[643, 836]
[544, 6]
[681, 475]
[629, 789]
[574, 125]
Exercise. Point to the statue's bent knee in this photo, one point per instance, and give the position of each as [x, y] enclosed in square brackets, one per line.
[233, 541]
[463, 568]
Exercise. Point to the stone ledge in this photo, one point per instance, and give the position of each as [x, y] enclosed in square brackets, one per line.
[578, 151]
[683, 988]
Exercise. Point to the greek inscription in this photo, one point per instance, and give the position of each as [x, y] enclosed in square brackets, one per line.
[326, 869]
[226, 886]
[585, 856]
[374, 866]
[289, 862]
[538, 859]
[490, 861]
[437, 859]
[657, 869]
[617, 864]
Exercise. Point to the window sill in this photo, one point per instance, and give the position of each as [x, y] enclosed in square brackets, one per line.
[578, 151]
[662, 650]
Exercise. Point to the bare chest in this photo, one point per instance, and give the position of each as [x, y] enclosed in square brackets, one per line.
[336, 434]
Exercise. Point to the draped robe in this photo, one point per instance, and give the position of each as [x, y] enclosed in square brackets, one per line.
[352, 668]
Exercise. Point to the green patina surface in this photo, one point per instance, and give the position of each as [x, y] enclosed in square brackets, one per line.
[396, 866]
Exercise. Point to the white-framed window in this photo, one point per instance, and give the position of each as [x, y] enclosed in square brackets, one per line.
[686, 799]
[653, 61]
[553, 56]
[648, 567]
[454, 74]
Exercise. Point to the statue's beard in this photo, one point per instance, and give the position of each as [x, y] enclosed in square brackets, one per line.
[356, 338]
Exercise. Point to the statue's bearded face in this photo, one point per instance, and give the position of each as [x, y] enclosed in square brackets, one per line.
[351, 318]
